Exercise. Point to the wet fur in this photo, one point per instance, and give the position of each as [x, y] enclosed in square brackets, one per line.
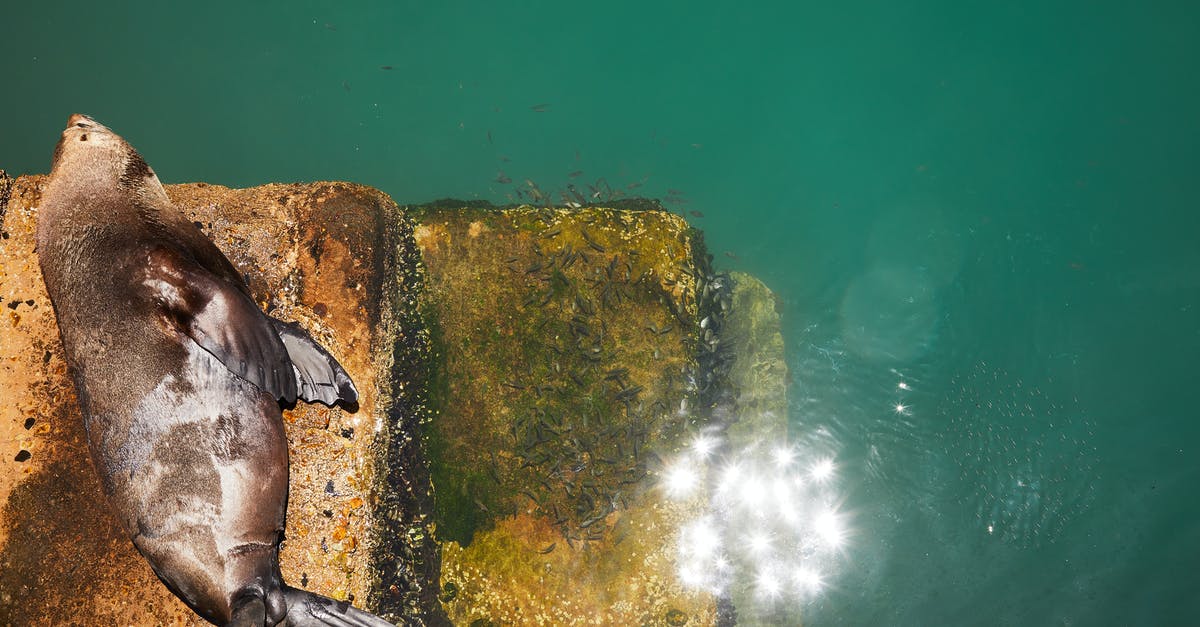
[192, 458]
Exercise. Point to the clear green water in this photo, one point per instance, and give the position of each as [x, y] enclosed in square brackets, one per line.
[995, 204]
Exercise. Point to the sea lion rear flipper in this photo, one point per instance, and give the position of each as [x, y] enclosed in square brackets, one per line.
[305, 609]
[319, 377]
[221, 318]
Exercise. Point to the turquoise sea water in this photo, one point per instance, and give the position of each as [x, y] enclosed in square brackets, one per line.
[995, 205]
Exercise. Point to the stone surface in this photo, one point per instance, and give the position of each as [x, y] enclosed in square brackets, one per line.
[311, 253]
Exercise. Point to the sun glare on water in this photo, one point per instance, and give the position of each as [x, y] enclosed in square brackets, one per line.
[769, 523]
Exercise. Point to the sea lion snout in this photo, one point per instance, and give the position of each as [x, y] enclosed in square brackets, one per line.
[80, 123]
[80, 120]
[82, 128]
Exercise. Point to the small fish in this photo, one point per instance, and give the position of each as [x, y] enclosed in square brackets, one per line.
[696, 214]
[574, 192]
[729, 253]
[540, 108]
[329, 26]
[534, 192]
[547, 549]
[591, 242]
[574, 174]
[629, 393]
[386, 67]
[502, 178]
[616, 374]
[345, 85]
[489, 137]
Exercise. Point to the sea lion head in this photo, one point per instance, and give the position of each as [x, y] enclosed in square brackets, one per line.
[91, 154]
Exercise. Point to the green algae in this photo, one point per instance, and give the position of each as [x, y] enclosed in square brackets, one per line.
[561, 362]
[567, 345]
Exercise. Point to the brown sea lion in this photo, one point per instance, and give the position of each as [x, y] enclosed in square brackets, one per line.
[179, 376]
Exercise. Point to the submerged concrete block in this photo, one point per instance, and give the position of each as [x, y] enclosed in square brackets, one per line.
[568, 366]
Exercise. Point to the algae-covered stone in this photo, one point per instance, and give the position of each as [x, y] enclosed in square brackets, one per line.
[759, 375]
[568, 344]
[311, 253]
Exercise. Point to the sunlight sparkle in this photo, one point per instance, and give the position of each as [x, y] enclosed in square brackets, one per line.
[822, 470]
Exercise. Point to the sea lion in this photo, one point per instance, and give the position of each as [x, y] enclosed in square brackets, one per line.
[179, 376]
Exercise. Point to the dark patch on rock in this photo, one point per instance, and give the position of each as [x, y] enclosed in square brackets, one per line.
[5, 194]
[23, 456]
[714, 294]
[406, 555]
[315, 248]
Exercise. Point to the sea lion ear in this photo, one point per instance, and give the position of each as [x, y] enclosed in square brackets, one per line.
[221, 318]
[319, 377]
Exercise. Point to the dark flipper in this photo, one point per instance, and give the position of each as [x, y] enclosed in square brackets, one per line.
[305, 609]
[319, 377]
[252, 613]
[221, 318]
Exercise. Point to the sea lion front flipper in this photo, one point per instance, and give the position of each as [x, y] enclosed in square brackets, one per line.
[319, 377]
[221, 318]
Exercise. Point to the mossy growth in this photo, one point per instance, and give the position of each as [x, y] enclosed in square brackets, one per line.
[567, 344]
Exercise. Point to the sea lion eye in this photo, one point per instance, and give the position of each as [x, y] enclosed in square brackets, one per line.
[83, 125]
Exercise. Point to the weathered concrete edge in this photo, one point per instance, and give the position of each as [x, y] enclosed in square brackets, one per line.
[405, 557]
